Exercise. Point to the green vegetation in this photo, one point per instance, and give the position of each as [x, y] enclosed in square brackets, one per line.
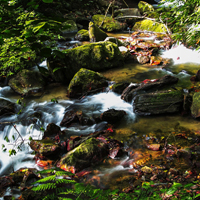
[62, 185]
[182, 18]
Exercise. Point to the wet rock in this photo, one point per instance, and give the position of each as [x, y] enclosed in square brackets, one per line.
[129, 93]
[149, 25]
[96, 34]
[28, 83]
[195, 108]
[7, 107]
[86, 154]
[112, 116]
[73, 116]
[46, 147]
[119, 87]
[109, 24]
[153, 147]
[82, 35]
[85, 82]
[94, 56]
[144, 7]
[5, 181]
[158, 102]
[51, 130]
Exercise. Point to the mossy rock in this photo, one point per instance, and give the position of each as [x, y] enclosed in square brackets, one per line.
[161, 102]
[149, 25]
[195, 108]
[144, 7]
[88, 153]
[85, 82]
[28, 83]
[82, 35]
[94, 56]
[46, 147]
[115, 40]
[71, 29]
[95, 33]
[109, 24]
[127, 11]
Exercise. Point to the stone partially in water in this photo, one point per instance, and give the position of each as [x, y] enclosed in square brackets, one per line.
[7, 107]
[96, 34]
[82, 35]
[109, 24]
[158, 102]
[94, 56]
[28, 83]
[85, 82]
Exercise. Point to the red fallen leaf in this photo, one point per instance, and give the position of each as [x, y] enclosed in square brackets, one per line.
[83, 173]
[68, 168]
[29, 58]
[153, 147]
[110, 130]
[44, 163]
[178, 58]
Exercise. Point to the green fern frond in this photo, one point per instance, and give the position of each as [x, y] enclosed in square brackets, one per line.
[43, 187]
[63, 173]
[50, 197]
[64, 181]
[47, 179]
[47, 171]
[64, 190]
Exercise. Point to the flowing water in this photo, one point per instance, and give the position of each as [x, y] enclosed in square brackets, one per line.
[132, 128]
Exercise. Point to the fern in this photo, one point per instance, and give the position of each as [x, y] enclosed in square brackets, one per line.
[43, 187]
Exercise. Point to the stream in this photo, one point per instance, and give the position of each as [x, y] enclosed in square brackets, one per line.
[131, 130]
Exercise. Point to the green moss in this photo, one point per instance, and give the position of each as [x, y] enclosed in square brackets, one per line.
[95, 33]
[144, 7]
[149, 25]
[82, 35]
[195, 108]
[109, 23]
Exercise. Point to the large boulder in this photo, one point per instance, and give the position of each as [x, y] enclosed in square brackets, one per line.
[86, 154]
[85, 82]
[96, 56]
[95, 33]
[161, 102]
[127, 12]
[28, 83]
[147, 85]
[7, 107]
[109, 24]
[149, 25]
[195, 108]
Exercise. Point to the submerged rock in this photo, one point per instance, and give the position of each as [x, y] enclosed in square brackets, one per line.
[28, 83]
[158, 102]
[94, 56]
[95, 33]
[85, 82]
